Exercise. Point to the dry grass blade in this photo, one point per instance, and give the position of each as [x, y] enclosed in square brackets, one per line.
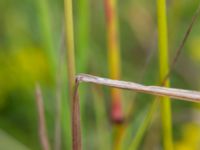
[188, 95]
[41, 116]
[180, 94]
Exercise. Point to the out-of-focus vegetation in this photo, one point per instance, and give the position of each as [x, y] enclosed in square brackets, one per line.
[31, 52]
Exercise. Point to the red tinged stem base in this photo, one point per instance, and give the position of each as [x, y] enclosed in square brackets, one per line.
[116, 111]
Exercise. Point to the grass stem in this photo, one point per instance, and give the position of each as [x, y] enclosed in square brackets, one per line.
[114, 68]
[113, 56]
[68, 7]
[164, 69]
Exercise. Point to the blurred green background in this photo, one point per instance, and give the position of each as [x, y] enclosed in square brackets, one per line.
[30, 48]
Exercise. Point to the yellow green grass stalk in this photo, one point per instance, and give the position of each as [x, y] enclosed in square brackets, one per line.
[70, 45]
[164, 69]
[114, 67]
[69, 26]
[113, 56]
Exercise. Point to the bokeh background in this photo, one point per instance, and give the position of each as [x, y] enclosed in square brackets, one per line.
[32, 51]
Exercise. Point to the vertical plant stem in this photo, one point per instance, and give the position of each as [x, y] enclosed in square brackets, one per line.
[70, 45]
[113, 56]
[68, 9]
[164, 69]
[76, 127]
[114, 68]
[41, 116]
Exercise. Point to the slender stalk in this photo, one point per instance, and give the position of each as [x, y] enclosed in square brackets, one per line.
[68, 8]
[113, 56]
[164, 69]
[76, 127]
[42, 124]
[114, 68]
[70, 45]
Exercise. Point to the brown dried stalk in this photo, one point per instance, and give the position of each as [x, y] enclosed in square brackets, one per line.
[42, 125]
[76, 127]
[187, 95]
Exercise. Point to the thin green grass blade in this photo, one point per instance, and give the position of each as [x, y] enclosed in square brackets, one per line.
[135, 143]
